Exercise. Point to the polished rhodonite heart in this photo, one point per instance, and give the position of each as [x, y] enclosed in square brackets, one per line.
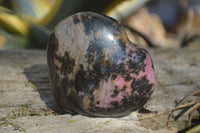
[95, 70]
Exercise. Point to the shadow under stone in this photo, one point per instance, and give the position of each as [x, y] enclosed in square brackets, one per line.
[38, 75]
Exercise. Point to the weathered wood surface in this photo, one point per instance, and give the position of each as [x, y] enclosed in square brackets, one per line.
[26, 103]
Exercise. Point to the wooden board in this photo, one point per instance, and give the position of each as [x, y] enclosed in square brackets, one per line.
[26, 103]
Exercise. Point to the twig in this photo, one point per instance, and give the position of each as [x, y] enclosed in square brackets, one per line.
[192, 109]
[145, 126]
[170, 116]
[178, 107]
[185, 105]
[172, 126]
[185, 99]
[154, 115]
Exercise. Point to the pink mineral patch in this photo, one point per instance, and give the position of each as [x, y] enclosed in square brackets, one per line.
[150, 74]
[119, 82]
[104, 94]
[105, 98]
[128, 88]
[118, 98]
[123, 86]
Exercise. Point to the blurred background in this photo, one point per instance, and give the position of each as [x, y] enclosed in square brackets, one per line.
[151, 23]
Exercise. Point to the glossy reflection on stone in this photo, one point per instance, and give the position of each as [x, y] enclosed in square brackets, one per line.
[95, 70]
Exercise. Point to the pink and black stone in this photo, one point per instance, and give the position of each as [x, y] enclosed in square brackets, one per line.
[95, 70]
